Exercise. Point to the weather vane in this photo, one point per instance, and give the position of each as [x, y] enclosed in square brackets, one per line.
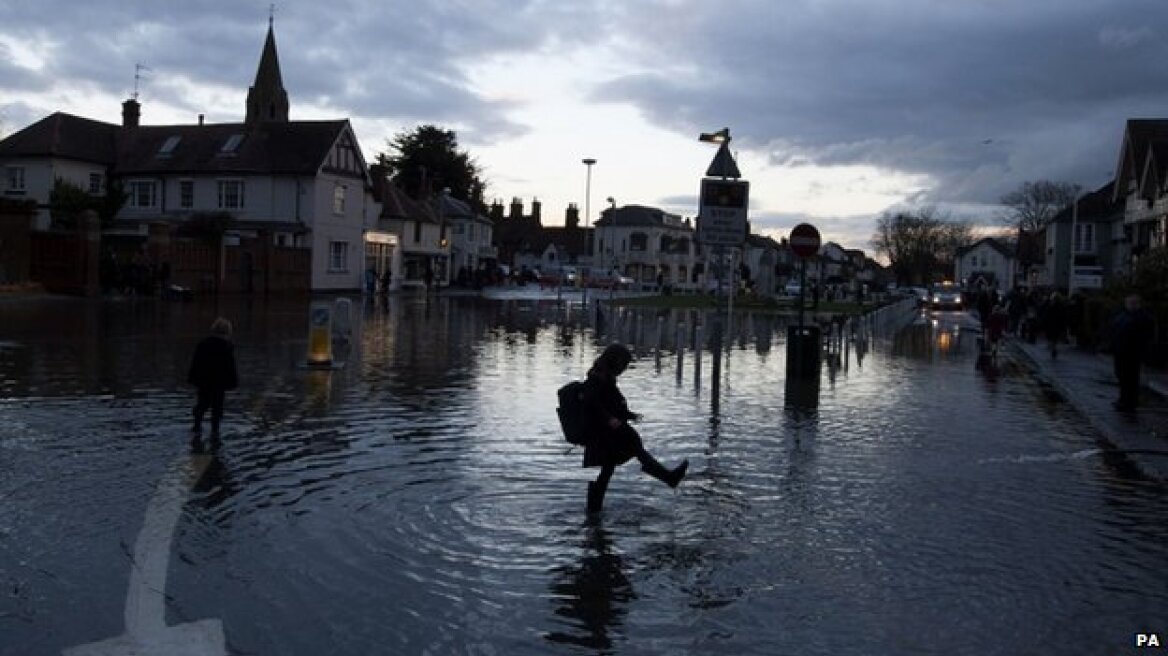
[271, 14]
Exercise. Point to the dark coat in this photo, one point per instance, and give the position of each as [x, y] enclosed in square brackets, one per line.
[213, 365]
[608, 446]
[1131, 332]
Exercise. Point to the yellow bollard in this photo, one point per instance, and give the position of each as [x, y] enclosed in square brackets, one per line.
[320, 342]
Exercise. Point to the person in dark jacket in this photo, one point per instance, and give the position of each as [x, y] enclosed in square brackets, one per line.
[212, 373]
[614, 441]
[1131, 332]
[1053, 317]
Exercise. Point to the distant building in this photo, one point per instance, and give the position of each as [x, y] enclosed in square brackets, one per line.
[1089, 227]
[643, 242]
[1141, 185]
[986, 263]
[284, 183]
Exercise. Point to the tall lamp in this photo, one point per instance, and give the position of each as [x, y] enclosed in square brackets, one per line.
[588, 162]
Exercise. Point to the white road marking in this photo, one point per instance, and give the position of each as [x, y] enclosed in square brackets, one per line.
[145, 615]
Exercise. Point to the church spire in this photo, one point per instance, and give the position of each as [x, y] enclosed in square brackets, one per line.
[267, 101]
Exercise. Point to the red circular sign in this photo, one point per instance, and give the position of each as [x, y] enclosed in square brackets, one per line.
[804, 240]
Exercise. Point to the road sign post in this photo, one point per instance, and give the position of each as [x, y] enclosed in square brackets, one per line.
[722, 212]
[803, 343]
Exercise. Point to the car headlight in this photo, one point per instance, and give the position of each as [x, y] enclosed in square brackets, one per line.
[957, 299]
[936, 299]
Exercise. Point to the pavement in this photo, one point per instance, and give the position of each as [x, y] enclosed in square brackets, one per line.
[1087, 381]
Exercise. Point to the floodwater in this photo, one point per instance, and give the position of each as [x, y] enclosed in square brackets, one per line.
[420, 499]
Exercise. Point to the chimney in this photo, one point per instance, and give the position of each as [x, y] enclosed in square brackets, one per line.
[496, 210]
[131, 113]
[535, 209]
[516, 209]
[201, 118]
[572, 216]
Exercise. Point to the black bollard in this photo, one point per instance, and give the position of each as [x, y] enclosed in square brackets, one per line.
[803, 351]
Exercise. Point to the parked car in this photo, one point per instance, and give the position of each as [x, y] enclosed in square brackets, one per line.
[946, 297]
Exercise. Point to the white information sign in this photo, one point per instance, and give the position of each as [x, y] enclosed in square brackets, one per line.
[722, 214]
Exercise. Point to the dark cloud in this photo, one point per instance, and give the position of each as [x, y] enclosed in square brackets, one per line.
[367, 58]
[978, 95]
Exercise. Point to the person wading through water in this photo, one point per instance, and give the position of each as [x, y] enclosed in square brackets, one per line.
[614, 442]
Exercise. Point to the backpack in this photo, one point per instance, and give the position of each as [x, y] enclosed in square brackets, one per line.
[572, 412]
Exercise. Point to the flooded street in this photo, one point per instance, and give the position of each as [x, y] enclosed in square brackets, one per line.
[420, 500]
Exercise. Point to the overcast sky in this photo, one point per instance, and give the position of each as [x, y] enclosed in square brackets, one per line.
[839, 109]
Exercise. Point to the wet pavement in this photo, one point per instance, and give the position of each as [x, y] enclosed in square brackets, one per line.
[1087, 381]
[420, 500]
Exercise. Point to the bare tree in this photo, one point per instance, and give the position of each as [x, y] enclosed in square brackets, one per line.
[1034, 204]
[1029, 209]
[920, 245]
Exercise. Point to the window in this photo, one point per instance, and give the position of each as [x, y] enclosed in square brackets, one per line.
[142, 194]
[94, 184]
[230, 194]
[14, 177]
[1084, 238]
[338, 256]
[417, 232]
[186, 194]
[168, 146]
[339, 199]
[231, 145]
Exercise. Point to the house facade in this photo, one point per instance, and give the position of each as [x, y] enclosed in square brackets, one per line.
[986, 263]
[644, 242]
[1141, 185]
[471, 237]
[288, 184]
[1085, 243]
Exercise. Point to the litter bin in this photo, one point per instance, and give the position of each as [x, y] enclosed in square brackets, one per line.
[804, 346]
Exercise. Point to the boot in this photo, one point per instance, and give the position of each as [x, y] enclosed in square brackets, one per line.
[595, 497]
[670, 477]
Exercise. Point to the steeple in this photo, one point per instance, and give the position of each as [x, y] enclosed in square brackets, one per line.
[267, 101]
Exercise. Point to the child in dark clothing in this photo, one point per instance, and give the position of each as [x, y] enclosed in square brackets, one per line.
[614, 442]
[212, 373]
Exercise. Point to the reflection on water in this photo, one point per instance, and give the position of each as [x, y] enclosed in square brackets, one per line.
[420, 499]
[591, 594]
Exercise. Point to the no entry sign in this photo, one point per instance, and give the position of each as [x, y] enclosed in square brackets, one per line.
[805, 240]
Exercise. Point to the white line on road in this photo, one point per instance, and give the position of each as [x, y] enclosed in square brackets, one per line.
[145, 614]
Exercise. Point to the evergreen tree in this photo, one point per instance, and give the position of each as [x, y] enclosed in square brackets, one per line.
[427, 160]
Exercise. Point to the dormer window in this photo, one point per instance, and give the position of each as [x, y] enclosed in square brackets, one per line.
[231, 145]
[169, 145]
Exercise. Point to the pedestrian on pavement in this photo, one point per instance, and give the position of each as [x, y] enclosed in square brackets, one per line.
[1053, 317]
[1131, 332]
[212, 373]
[996, 327]
[614, 442]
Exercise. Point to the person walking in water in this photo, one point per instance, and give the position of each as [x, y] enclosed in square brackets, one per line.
[212, 373]
[614, 442]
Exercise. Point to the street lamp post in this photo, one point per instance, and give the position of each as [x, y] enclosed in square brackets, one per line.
[611, 245]
[588, 162]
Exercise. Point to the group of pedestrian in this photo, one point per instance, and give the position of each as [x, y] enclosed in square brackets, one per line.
[1030, 314]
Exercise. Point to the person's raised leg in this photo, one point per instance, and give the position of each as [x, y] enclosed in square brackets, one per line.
[652, 467]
